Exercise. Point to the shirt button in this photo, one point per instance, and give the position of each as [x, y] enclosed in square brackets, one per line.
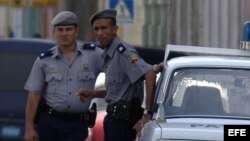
[68, 106]
[69, 92]
[70, 79]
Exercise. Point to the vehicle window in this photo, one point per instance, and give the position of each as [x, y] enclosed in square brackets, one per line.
[15, 68]
[209, 92]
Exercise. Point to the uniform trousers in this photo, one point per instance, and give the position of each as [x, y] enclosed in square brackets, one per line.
[53, 128]
[118, 130]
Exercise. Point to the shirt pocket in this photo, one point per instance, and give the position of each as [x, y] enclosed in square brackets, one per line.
[83, 76]
[114, 84]
[53, 80]
[86, 79]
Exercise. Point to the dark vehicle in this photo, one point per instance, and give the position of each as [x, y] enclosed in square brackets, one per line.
[16, 59]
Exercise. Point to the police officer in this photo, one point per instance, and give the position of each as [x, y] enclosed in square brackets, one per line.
[125, 73]
[56, 76]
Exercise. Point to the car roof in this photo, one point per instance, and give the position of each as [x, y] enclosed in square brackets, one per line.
[26, 44]
[209, 61]
[173, 51]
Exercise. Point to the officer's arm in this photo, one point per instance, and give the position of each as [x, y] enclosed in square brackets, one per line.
[150, 94]
[100, 94]
[86, 94]
[150, 78]
[31, 109]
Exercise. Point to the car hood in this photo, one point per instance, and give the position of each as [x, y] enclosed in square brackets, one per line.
[192, 131]
[189, 129]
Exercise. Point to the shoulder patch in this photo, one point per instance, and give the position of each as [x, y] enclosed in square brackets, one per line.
[45, 54]
[89, 46]
[133, 58]
[121, 48]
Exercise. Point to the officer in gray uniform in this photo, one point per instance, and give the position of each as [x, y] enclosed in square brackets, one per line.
[56, 76]
[125, 74]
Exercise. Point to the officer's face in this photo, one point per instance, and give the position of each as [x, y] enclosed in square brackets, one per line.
[104, 31]
[66, 35]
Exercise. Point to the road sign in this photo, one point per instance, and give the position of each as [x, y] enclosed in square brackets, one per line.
[125, 10]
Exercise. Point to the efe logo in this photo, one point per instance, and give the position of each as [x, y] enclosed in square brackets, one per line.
[236, 132]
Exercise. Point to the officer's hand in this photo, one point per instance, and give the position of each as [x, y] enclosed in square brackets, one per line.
[85, 94]
[30, 135]
[158, 67]
[139, 125]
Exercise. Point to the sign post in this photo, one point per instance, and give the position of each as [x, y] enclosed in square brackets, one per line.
[125, 10]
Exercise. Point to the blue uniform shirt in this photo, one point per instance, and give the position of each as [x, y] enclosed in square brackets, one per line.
[64, 78]
[124, 72]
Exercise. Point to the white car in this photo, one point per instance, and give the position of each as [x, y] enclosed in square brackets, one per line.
[200, 90]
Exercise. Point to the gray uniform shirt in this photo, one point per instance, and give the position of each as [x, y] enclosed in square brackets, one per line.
[124, 72]
[59, 80]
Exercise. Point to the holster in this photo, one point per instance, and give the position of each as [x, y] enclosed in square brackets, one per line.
[90, 117]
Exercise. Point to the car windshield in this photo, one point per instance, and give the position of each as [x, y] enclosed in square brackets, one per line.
[209, 92]
[14, 72]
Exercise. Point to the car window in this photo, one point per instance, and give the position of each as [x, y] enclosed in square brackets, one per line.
[211, 92]
[16, 59]
[15, 67]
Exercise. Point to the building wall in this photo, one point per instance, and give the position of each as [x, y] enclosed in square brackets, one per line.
[83, 9]
[4, 28]
[25, 21]
[216, 23]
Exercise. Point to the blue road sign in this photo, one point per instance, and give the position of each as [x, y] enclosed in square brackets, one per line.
[125, 10]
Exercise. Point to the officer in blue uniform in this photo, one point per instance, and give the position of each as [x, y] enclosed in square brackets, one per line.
[55, 78]
[125, 74]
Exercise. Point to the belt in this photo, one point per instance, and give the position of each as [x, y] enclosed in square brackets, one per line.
[120, 110]
[116, 107]
[128, 111]
[65, 115]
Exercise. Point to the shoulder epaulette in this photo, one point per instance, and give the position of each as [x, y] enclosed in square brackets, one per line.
[45, 54]
[90, 46]
[121, 48]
